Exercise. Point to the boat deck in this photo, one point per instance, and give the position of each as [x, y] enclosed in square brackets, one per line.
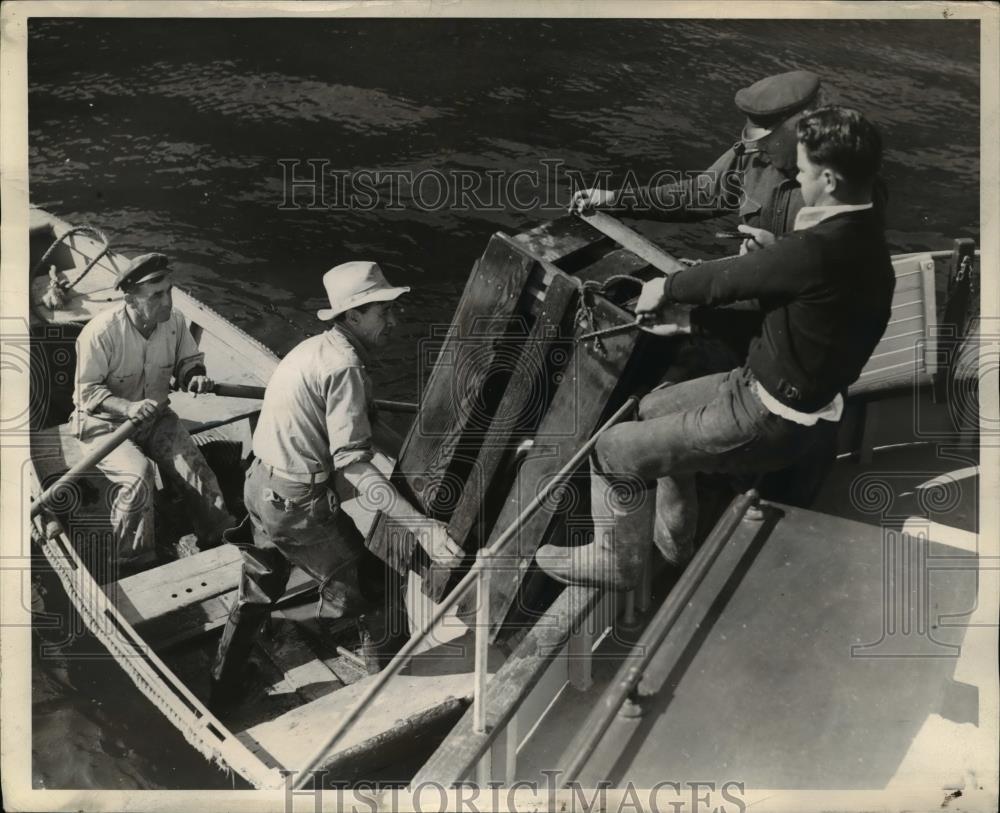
[755, 685]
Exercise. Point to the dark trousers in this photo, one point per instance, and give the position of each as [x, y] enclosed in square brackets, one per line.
[713, 424]
[293, 524]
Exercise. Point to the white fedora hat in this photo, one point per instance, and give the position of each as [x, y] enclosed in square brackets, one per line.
[356, 283]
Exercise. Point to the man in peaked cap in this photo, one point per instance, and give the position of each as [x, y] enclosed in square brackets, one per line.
[755, 177]
[317, 421]
[825, 294]
[126, 359]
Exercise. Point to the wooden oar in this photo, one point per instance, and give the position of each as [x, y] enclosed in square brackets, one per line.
[248, 391]
[111, 442]
[633, 241]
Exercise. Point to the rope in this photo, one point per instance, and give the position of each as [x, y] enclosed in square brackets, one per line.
[585, 316]
[84, 229]
[585, 311]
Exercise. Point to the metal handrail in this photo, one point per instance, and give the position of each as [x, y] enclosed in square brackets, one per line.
[401, 658]
[631, 672]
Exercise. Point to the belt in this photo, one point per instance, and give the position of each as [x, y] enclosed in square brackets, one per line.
[296, 476]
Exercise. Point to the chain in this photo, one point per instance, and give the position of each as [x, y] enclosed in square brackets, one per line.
[585, 313]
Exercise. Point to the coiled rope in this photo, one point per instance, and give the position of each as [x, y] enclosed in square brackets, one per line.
[55, 295]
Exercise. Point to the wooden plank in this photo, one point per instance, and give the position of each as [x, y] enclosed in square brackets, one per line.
[196, 619]
[636, 243]
[905, 308]
[304, 671]
[458, 754]
[205, 411]
[449, 401]
[589, 389]
[176, 585]
[562, 241]
[292, 738]
[903, 341]
[908, 280]
[528, 392]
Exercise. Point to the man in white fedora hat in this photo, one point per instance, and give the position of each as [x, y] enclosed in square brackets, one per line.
[318, 420]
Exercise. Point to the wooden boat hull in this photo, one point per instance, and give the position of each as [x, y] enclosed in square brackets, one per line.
[157, 624]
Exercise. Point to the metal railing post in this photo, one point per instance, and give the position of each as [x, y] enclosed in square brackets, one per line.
[482, 641]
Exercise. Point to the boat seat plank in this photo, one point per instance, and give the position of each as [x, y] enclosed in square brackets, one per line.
[207, 411]
[56, 449]
[180, 600]
[292, 738]
[187, 581]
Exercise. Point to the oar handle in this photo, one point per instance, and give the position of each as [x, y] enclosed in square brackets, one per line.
[396, 406]
[239, 391]
[248, 391]
[98, 453]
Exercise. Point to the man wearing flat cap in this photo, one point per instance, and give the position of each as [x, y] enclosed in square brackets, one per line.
[755, 177]
[126, 359]
[317, 422]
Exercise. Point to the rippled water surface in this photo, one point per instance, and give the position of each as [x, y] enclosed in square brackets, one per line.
[167, 134]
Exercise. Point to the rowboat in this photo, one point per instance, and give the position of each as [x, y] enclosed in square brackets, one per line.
[497, 449]
[159, 624]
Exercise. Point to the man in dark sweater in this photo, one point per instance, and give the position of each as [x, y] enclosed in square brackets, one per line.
[825, 293]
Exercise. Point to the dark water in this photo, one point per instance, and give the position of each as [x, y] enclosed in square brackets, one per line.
[168, 135]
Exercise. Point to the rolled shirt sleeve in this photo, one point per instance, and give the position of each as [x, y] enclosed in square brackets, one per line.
[92, 366]
[348, 424]
[189, 360]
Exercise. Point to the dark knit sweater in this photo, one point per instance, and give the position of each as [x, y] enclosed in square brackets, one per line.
[825, 293]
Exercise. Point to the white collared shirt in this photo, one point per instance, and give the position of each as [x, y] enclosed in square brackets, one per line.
[317, 411]
[114, 358]
[808, 217]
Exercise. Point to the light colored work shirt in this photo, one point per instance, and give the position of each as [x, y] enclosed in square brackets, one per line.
[317, 412]
[114, 358]
[808, 217]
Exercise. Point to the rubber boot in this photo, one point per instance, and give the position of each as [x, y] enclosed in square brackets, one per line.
[676, 519]
[623, 512]
[263, 578]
